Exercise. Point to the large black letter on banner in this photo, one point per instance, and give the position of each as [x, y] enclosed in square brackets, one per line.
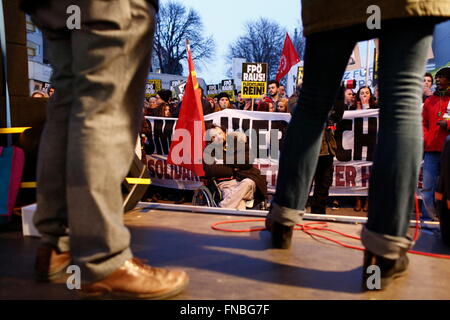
[162, 138]
[342, 154]
[280, 125]
[257, 126]
[369, 140]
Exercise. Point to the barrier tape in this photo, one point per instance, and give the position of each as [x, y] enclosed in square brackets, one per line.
[13, 130]
[32, 185]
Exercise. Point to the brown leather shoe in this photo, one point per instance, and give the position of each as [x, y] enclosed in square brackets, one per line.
[136, 280]
[50, 265]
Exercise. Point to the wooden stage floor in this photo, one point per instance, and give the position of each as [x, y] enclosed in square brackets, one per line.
[229, 266]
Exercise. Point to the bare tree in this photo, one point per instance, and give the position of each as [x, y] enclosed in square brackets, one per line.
[174, 24]
[299, 42]
[262, 42]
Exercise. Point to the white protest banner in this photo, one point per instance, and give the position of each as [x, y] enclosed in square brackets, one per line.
[355, 137]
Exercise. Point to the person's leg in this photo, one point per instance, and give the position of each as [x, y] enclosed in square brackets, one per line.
[51, 215]
[431, 171]
[111, 55]
[235, 192]
[393, 181]
[326, 57]
[322, 182]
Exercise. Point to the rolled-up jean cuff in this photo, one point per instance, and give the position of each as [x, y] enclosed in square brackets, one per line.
[285, 216]
[386, 246]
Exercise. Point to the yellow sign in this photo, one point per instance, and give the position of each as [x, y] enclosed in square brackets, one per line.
[152, 87]
[299, 75]
[253, 90]
[254, 80]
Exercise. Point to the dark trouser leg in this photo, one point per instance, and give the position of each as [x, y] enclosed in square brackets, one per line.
[322, 183]
[326, 57]
[403, 52]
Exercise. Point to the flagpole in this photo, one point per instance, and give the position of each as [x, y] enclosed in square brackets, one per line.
[367, 63]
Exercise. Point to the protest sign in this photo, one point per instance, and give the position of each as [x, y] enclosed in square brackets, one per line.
[227, 86]
[179, 90]
[175, 83]
[299, 75]
[212, 90]
[152, 87]
[254, 80]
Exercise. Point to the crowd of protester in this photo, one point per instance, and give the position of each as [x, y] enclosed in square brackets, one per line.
[164, 104]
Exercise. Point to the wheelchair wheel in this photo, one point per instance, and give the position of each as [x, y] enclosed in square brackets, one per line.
[203, 197]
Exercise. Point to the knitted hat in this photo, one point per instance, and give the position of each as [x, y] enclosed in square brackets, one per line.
[223, 95]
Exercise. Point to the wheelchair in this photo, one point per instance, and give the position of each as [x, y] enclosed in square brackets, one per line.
[209, 195]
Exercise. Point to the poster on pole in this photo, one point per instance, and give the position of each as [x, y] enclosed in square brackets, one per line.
[254, 80]
[227, 86]
[175, 83]
[179, 90]
[152, 87]
[236, 71]
[212, 90]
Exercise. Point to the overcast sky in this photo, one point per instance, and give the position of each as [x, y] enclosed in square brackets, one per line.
[225, 21]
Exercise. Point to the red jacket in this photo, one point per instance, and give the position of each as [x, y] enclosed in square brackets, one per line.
[434, 110]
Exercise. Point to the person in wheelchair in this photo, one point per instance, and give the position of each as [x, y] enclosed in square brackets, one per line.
[232, 171]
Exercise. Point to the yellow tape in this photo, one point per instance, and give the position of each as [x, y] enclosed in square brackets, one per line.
[138, 181]
[31, 185]
[13, 130]
[28, 185]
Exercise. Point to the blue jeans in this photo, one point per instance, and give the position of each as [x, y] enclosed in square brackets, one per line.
[431, 171]
[403, 51]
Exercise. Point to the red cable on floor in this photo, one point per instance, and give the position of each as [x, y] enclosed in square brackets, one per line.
[323, 226]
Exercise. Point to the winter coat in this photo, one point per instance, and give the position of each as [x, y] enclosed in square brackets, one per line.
[326, 15]
[237, 171]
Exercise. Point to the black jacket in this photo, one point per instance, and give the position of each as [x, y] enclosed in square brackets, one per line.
[239, 172]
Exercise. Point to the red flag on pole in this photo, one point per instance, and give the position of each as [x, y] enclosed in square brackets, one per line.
[186, 149]
[289, 58]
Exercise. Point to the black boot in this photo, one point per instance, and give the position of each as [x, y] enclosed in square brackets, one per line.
[389, 269]
[281, 234]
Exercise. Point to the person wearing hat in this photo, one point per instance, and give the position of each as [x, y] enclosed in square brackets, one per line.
[223, 100]
[436, 126]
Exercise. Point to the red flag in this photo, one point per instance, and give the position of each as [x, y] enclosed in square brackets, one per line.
[289, 58]
[186, 149]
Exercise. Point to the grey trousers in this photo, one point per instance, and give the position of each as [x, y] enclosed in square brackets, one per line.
[92, 122]
[235, 194]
